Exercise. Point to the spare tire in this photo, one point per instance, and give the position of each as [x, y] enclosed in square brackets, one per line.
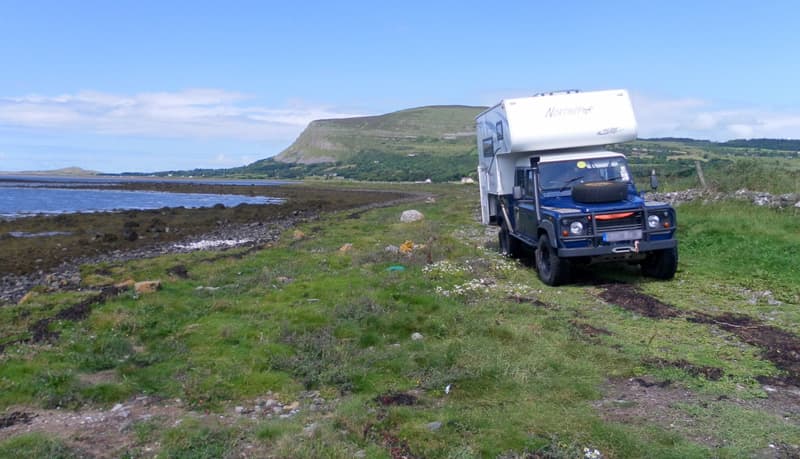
[600, 191]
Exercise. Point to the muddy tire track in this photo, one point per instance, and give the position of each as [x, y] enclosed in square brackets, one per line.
[778, 346]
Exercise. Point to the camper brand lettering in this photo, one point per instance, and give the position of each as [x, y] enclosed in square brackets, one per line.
[567, 111]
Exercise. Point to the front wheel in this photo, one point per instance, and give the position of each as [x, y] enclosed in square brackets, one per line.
[552, 269]
[661, 264]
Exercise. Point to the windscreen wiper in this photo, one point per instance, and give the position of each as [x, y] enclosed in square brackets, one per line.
[569, 182]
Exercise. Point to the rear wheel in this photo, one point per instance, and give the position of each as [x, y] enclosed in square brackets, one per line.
[509, 245]
[552, 269]
[661, 264]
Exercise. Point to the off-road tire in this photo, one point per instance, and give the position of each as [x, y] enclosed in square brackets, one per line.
[600, 192]
[552, 269]
[661, 264]
[509, 245]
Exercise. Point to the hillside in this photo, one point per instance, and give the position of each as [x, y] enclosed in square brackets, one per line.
[444, 130]
[66, 171]
[437, 143]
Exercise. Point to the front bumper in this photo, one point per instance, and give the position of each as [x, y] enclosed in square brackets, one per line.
[618, 248]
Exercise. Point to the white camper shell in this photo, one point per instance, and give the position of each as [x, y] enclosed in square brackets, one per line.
[546, 125]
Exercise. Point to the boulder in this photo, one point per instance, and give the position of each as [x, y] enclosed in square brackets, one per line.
[411, 215]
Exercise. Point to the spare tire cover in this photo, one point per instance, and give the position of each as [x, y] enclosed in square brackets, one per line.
[600, 191]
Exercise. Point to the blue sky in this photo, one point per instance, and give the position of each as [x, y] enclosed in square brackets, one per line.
[146, 86]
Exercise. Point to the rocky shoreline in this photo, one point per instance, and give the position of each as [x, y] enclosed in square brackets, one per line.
[66, 276]
[50, 256]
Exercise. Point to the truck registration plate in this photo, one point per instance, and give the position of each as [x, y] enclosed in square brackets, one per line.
[615, 236]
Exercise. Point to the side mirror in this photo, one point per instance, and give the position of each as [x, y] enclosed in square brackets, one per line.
[517, 192]
[653, 180]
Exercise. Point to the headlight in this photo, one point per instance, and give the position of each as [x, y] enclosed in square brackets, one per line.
[576, 228]
[653, 221]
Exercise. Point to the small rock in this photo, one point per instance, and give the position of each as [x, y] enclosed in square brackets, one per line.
[346, 248]
[270, 403]
[298, 235]
[125, 285]
[117, 407]
[291, 406]
[310, 429]
[797, 204]
[407, 247]
[391, 249]
[434, 426]
[147, 286]
[409, 216]
[416, 336]
[360, 454]
[239, 410]
[27, 297]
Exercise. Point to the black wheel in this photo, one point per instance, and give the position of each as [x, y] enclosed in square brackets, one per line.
[661, 264]
[509, 245]
[600, 191]
[552, 269]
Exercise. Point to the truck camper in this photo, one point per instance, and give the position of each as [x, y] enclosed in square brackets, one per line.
[551, 185]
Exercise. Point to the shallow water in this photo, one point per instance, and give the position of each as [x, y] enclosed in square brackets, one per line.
[19, 199]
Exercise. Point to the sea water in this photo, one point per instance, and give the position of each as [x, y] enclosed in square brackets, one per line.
[20, 198]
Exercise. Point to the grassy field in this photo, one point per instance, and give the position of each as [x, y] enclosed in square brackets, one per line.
[422, 342]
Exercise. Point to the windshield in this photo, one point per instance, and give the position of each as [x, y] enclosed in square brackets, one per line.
[562, 175]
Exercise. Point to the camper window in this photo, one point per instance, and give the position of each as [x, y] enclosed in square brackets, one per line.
[488, 146]
[499, 130]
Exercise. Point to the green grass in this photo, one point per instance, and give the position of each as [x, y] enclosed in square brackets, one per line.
[307, 315]
[35, 446]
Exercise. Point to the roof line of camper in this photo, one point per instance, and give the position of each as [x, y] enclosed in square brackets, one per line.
[489, 109]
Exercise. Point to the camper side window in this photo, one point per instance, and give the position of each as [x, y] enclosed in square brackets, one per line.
[488, 146]
[499, 130]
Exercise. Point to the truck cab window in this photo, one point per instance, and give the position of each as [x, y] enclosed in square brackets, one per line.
[529, 191]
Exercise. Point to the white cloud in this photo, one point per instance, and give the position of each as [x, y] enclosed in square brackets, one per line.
[192, 113]
[704, 119]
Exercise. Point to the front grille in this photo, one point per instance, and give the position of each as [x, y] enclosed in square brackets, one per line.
[631, 222]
